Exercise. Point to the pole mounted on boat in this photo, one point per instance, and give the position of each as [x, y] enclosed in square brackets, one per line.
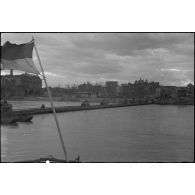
[53, 108]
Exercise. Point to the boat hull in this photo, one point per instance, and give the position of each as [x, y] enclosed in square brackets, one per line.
[10, 119]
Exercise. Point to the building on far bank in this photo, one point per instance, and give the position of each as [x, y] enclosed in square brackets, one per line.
[140, 89]
[93, 89]
[85, 87]
[168, 91]
[177, 92]
[20, 85]
[182, 92]
[111, 88]
[190, 90]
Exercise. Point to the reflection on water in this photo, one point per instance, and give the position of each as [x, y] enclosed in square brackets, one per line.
[132, 134]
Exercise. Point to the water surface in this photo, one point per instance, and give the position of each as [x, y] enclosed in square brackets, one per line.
[150, 133]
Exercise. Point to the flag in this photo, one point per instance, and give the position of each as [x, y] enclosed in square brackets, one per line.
[18, 57]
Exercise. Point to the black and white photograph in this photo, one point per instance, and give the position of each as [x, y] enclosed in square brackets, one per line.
[97, 97]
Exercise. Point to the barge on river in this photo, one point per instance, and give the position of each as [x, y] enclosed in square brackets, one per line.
[9, 116]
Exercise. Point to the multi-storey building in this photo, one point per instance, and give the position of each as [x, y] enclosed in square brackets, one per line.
[20, 85]
[88, 87]
[140, 89]
[111, 88]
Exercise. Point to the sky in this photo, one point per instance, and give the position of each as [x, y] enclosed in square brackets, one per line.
[74, 58]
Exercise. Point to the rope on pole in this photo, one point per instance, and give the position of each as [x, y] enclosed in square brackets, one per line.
[53, 108]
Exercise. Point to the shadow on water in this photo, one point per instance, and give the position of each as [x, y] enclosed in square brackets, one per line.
[11, 125]
[28, 122]
[16, 125]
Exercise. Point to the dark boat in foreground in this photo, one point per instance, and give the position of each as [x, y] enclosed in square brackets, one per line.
[50, 159]
[8, 116]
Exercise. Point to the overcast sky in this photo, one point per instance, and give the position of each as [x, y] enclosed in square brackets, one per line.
[70, 58]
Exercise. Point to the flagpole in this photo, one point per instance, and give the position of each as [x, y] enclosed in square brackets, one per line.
[53, 108]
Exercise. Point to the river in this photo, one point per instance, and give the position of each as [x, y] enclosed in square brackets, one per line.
[150, 133]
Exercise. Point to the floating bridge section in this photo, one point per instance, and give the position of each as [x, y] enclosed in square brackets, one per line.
[36, 111]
